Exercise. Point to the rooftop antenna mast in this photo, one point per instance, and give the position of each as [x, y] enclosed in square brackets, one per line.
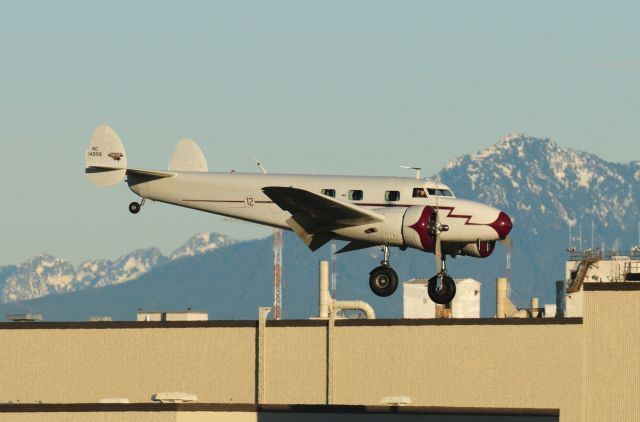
[580, 237]
[417, 169]
[334, 272]
[277, 263]
[259, 164]
[277, 274]
[508, 243]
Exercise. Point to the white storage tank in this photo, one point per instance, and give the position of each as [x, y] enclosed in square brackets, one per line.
[416, 302]
[466, 303]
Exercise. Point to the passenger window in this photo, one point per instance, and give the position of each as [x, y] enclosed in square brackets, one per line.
[329, 192]
[440, 192]
[392, 195]
[419, 193]
[355, 195]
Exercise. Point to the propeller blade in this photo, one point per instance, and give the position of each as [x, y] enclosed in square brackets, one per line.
[438, 245]
[438, 254]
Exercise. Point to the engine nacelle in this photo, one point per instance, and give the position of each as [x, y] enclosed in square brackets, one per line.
[479, 249]
[402, 227]
[416, 228]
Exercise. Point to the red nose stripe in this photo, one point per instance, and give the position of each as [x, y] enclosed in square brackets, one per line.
[502, 225]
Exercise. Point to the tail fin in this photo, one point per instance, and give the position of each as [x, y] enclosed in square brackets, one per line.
[105, 160]
[188, 157]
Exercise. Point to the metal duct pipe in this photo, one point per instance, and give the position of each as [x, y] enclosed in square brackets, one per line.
[561, 298]
[328, 306]
[501, 296]
[325, 298]
[357, 305]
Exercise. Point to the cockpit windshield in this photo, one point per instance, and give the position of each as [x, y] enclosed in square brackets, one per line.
[439, 192]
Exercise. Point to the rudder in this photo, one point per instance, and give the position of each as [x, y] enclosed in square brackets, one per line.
[188, 157]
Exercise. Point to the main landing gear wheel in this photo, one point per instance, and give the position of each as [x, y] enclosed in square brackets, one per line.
[444, 292]
[383, 281]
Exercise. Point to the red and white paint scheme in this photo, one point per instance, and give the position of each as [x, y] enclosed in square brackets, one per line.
[366, 211]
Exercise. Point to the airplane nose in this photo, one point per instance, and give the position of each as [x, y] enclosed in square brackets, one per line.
[502, 225]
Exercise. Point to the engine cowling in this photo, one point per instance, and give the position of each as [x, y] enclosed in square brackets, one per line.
[416, 228]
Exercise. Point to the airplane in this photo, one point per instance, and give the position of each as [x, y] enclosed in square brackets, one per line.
[366, 211]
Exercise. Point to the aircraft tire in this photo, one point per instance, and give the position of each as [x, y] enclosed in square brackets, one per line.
[383, 281]
[445, 293]
[134, 208]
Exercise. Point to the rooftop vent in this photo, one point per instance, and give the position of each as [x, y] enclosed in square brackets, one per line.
[114, 400]
[100, 319]
[396, 400]
[23, 317]
[174, 397]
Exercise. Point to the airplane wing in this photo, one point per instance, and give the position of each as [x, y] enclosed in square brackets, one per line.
[313, 215]
[324, 209]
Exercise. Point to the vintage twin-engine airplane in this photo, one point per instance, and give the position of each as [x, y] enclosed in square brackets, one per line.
[366, 211]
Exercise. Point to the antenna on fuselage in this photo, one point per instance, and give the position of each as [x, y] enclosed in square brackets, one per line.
[262, 169]
[417, 169]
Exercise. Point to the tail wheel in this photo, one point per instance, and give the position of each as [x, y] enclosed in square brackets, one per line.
[443, 293]
[134, 208]
[383, 281]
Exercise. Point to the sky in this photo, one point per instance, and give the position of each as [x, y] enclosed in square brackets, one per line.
[332, 87]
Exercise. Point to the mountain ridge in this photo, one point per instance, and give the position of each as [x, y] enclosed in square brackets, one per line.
[43, 274]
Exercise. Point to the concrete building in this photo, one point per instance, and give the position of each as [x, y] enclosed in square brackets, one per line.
[574, 369]
[597, 267]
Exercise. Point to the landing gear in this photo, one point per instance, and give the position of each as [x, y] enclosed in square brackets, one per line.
[383, 280]
[135, 207]
[444, 291]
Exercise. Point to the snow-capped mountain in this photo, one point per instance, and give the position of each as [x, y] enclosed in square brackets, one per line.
[43, 274]
[102, 273]
[550, 192]
[39, 276]
[547, 186]
[200, 244]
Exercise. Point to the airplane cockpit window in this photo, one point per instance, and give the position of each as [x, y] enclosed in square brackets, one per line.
[329, 192]
[419, 193]
[355, 195]
[439, 192]
[392, 195]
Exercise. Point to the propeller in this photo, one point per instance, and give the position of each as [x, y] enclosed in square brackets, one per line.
[438, 228]
[438, 246]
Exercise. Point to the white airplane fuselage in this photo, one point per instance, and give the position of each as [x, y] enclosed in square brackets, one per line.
[240, 195]
[363, 210]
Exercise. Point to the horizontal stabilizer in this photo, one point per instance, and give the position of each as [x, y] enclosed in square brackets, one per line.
[188, 157]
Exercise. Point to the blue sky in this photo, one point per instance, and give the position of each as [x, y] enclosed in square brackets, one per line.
[346, 87]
